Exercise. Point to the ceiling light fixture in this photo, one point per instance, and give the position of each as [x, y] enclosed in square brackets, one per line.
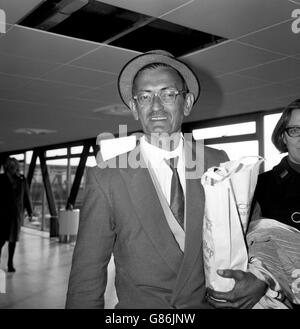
[34, 131]
[114, 109]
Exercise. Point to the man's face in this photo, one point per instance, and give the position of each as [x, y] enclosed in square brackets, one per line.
[158, 117]
[13, 168]
[293, 143]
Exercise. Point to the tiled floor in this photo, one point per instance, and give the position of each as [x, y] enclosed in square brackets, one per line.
[43, 267]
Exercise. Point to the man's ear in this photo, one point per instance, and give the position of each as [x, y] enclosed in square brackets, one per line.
[188, 104]
[133, 109]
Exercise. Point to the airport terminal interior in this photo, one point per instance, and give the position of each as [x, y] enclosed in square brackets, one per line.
[59, 64]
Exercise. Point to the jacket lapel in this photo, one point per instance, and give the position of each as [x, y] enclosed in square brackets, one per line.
[194, 218]
[150, 213]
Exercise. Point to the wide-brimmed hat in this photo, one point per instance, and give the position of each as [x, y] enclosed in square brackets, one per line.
[130, 70]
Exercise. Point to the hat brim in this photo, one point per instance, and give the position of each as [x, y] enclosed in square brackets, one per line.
[130, 70]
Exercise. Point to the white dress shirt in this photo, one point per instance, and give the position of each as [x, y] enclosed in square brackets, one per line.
[155, 157]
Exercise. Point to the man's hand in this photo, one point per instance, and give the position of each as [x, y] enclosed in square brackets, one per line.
[247, 291]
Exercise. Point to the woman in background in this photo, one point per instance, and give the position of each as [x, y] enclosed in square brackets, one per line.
[274, 232]
[14, 197]
[278, 190]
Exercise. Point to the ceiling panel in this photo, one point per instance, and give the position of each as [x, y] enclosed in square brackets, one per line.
[80, 106]
[204, 111]
[80, 76]
[21, 66]
[284, 101]
[106, 58]
[153, 8]
[268, 39]
[19, 114]
[232, 18]
[16, 9]
[233, 82]
[107, 93]
[12, 82]
[54, 89]
[24, 96]
[263, 104]
[294, 83]
[58, 102]
[281, 70]
[229, 57]
[275, 90]
[41, 45]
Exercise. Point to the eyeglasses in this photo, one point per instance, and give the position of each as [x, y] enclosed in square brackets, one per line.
[166, 96]
[293, 131]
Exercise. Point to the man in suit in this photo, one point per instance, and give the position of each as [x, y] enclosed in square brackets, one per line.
[148, 214]
[14, 198]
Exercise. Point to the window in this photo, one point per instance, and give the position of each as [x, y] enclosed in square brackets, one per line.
[28, 156]
[238, 149]
[39, 202]
[19, 156]
[91, 161]
[272, 155]
[76, 149]
[227, 130]
[57, 170]
[234, 149]
[56, 152]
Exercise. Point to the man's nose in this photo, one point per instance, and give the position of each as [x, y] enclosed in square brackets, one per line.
[156, 103]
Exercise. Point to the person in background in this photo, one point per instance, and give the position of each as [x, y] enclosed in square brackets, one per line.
[274, 231]
[278, 191]
[14, 198]
[150, 216]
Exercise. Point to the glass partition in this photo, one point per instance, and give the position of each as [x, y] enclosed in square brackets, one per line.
[57, 170]
[56, 152]
[38, 199]
[226, 130]
[238, 149]
[272, 155]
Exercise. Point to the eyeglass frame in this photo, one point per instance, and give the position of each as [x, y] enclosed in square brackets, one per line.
[287, 129]
[158, 93]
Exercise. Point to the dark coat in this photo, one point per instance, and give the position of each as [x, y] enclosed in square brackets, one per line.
[122, 214]
[13, 200]
[278, 194]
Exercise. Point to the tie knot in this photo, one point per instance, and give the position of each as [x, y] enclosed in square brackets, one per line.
[172, 162]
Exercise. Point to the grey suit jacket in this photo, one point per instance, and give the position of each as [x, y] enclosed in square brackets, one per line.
[122, 215]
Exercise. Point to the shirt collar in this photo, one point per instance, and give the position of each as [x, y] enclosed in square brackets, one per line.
[156, 155]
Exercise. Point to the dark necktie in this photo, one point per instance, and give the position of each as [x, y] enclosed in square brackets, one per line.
[177, 196]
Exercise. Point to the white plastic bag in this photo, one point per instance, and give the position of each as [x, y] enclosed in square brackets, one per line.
[226, 189]
[243, 175]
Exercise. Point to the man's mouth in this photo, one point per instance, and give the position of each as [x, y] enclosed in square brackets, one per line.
[158, 118]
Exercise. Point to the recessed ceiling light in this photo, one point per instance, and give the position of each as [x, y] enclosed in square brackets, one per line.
[114, 109]
[34, 131]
